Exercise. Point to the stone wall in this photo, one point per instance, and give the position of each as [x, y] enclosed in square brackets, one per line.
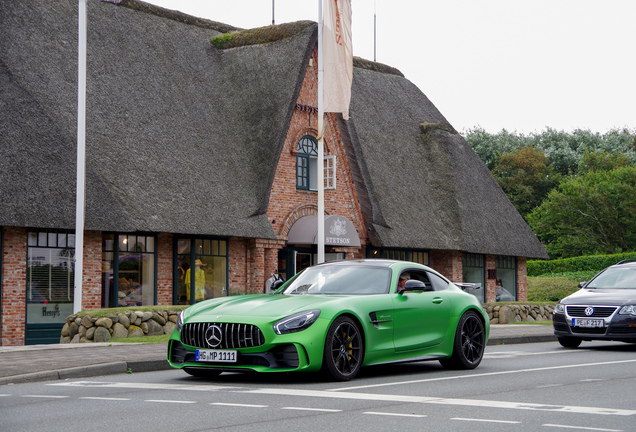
[514, 313]
[121, 325]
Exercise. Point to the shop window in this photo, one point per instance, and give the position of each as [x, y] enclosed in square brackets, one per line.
[417, 256]
[129, 276]
[201, 266]
[50, 275]
[307, 166]
[506, 267]
[474, 271]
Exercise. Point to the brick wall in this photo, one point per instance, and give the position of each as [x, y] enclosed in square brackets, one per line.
[522, 279]
[14, 257]
[164, 269]
[92, 279]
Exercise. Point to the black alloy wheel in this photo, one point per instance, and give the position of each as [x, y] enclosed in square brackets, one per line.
[343, 350]
[569, 342]
[469, 345]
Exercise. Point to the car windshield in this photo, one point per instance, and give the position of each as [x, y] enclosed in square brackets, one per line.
[615, 277]
[340, 279]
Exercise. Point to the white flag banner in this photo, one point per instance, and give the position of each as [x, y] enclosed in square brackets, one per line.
[337, 56]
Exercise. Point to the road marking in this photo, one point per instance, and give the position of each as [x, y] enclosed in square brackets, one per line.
[105, 398]
[5, 395]
[582, 428]
[513, 354]
[238, 405]
[44, 396]
[394, 414]
[311, 409]
[377, 397]
[480, 375]
[147, 386]
[442, 401]
[486, 420]
[170, 401]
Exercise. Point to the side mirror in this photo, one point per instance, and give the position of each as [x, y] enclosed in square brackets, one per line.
[413, 285]
[582, 284]
[277, 284]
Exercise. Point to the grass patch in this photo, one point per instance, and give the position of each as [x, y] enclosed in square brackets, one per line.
[143, 339]
[113, 311]
[550, 289]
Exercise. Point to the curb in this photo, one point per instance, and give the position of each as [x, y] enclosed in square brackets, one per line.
[513, 340]
[113, 368]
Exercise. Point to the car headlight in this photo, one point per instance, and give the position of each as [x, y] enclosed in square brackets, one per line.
[180, 322]
[559, 309]
[628, 310]
[296, 322]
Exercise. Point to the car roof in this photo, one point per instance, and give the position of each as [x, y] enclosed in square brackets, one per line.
[376, 262]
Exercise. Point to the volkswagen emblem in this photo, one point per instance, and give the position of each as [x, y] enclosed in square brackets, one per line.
[589, 311]
[213, 336]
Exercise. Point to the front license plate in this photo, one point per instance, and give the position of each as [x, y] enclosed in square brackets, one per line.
[587, 322]
[216, 356]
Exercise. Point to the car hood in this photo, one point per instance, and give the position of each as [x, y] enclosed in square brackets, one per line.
[258, 305]
[600, 296]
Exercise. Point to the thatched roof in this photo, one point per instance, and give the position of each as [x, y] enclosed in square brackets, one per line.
[181, 137]
[186, 119]
[421, 183]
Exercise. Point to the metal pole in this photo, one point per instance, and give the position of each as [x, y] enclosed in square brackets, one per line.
[81, 157]
[321, 113]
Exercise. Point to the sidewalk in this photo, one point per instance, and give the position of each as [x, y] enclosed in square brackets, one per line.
[30, 363]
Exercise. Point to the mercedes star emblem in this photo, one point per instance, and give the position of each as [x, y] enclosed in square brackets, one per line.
[213, 336]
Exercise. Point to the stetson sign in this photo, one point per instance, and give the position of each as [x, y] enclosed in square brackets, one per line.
[339, 231]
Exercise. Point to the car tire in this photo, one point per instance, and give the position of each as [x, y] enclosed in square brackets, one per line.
[344, 350]
[469, 344]
[202, 373]
[569, 342]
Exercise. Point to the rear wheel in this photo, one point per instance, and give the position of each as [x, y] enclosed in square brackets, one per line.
[569, 342]
[343, 350]
[469, 345]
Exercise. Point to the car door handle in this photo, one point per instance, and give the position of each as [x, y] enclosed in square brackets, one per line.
[438, 300]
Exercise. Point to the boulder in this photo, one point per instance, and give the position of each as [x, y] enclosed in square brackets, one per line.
[123, 319]
[119, 331]
[104, 322]
[87, 321]
[101, 335]
[135, 331]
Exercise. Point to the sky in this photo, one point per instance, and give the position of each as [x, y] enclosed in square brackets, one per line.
[519, 65]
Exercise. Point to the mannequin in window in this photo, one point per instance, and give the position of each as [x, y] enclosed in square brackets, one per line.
[199, 277]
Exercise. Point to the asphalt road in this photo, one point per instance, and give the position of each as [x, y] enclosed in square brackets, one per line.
[523, 387]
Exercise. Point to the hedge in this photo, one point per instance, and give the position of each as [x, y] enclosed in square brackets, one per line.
[594, 263]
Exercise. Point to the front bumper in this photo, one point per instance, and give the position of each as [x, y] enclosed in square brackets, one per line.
[280, 358]
[616, 327]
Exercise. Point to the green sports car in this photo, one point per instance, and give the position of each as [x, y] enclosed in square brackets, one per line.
[335, 317]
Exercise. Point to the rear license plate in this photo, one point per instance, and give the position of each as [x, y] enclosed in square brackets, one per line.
[587, 322]
[216, 356]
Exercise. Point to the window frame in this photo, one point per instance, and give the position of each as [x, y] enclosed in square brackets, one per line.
[111, 299]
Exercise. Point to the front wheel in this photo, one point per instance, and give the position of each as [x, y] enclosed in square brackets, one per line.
[569, 342]
[343, 350]
[469, 345]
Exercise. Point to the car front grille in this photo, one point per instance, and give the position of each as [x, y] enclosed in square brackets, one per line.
[222, 335]
[599, 311]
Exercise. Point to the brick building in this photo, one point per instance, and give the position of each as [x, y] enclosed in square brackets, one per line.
[201, 167]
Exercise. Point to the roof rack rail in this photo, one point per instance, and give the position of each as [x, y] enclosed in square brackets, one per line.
[626, 261]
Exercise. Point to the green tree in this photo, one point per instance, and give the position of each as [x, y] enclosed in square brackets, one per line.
[589, 214]
[565, 151]
[526, 177]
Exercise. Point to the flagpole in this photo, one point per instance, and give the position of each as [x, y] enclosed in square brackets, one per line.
[320, 233]
[81, 157]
